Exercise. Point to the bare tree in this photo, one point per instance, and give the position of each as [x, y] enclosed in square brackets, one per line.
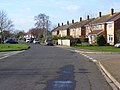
[42, 22]
[36, 32]
[5, 24]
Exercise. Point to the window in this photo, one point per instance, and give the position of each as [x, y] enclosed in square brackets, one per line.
[96, 27]
[110, 37]
[110, 25]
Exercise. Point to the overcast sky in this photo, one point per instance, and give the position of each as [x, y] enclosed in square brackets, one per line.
[22, 12]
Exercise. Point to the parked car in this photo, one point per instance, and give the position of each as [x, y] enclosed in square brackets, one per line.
[48, 42]
[117, 45]
[29, 40]
[36, 41]
[11, 41]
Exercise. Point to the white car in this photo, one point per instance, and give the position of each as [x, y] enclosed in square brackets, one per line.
[28, 40]
[36, 41]
[117, 45]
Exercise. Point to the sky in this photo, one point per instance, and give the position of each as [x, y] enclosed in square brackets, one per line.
[22, 12]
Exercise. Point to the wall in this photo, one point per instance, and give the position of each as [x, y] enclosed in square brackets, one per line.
[117, 31]
[63, 33]
[110, 32]
[75, 33]
[54, 33]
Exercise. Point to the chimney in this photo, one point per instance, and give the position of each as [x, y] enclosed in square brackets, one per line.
[100, 14]
[88, 17]
[112, 11]
[62, 24]
[72, 21]
[58, 24]
[80, 19]
[67, 22]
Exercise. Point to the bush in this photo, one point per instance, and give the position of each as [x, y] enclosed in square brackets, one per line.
[66, 37]
[55, 37]
[78, 40]
[101, 40]
[86, 39]
[75, 41]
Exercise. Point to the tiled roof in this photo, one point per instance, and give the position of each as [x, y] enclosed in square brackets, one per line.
[54, 29]
[80, 24]
[98, 20]
[64, 27]
[117, 16]
[96, 32]
[105, 18]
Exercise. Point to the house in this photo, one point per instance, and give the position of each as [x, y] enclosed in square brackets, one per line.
[106, 25]
[63, 30]
[78, 29]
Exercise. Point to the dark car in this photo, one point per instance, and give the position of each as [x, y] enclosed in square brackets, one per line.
[11, 41]
[48, 42]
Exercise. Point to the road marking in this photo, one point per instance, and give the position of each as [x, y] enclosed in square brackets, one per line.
[114, 84]
[11, 53]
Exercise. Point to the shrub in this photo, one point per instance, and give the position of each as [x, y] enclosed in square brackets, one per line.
[78, 40]
[86, 39]
[55, 37]
[101, 40]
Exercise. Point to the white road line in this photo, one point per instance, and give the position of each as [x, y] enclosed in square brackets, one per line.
[11, 53]
[115, 85]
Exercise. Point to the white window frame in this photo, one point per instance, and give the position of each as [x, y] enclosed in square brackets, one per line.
[110, 38]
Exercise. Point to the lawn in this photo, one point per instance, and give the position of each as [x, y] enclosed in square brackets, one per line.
[13, 47]
[99, 48]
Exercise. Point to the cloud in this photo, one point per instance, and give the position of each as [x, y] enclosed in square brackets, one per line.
[71, 8]
[28, 9]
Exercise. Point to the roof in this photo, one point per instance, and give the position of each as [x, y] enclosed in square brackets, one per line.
[64, 27]
[98, 20]
[106, 18]
[96, 32]
[80, 24]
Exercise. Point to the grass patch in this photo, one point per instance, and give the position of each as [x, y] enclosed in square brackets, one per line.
[98, 48]
[13, 47]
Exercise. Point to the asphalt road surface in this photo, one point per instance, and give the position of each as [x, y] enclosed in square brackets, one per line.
[50, 68]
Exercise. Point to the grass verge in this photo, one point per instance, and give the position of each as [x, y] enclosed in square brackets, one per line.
[99, 48]
[13, 47]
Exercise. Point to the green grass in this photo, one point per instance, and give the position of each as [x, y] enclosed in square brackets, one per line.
[13, 47]
[99, 48]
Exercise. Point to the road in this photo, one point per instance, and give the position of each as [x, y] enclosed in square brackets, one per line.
[50, 68]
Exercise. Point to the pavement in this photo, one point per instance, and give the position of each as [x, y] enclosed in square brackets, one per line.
[108, 62]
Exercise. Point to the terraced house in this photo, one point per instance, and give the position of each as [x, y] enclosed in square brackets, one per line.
[106, 25]
[76, 30]
[62, 30]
